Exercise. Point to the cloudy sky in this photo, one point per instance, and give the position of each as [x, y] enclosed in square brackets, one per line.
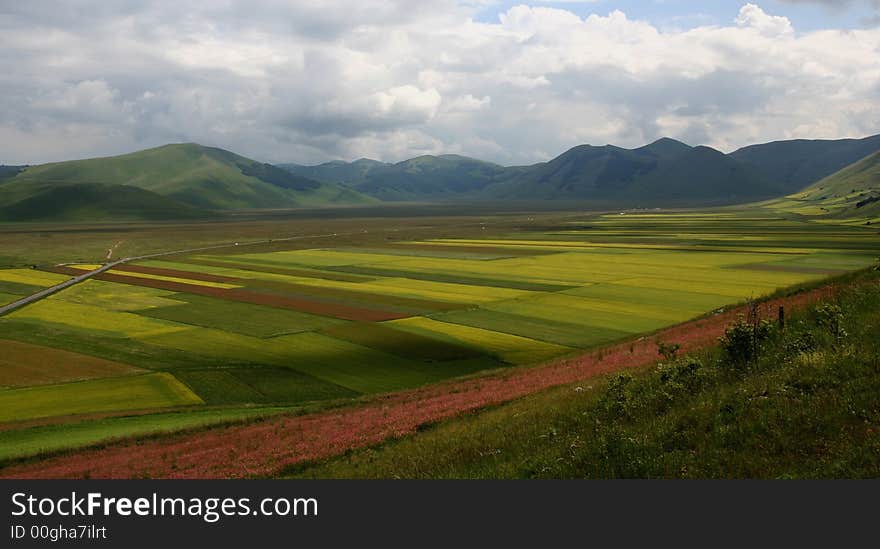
[308, 81]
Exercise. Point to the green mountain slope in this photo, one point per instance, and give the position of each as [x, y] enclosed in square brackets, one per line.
[25, 201]
[798, 163]
[200, 177]
[851, 193]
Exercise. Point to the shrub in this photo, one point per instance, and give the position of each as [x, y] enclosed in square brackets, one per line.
[743, 341]
[668, 350]
[684, 374]
[616, 399]
[830, 317]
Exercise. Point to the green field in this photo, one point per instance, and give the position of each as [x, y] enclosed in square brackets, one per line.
[292, 323]
[21, 443]
[103, 395]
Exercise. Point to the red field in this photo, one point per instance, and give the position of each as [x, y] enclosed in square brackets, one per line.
[266, 448]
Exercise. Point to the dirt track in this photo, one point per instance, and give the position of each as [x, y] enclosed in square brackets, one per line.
[265, 448]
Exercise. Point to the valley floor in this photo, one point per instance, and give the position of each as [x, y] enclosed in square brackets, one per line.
[414, 320]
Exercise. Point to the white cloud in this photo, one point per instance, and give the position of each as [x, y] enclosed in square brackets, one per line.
[297, 81]
[752, 16]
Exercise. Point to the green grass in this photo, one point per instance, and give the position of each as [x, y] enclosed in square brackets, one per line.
[255, 384]
[384, 337]
[242, 318]
[541, 329]
[807, 408]
[158, 390]
[506, 347]
[22, 443]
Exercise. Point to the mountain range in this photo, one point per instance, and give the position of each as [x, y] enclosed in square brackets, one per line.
[181, 181]
[663, 173]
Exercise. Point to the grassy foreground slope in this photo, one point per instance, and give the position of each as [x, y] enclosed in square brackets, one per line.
[188, 175]
[807, 406]
[852, 193]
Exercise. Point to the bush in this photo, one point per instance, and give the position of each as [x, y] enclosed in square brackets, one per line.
[668, 350]
[682, 375]
[743, 341]
[615, 400]
[803, 342]
[830, 317]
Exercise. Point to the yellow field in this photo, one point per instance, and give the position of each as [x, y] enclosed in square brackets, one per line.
[32, 277]
[98, 319]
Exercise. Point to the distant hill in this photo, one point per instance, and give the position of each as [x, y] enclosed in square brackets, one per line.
[195, 176]
[428, 177]
[851, 193]
[800, 162]
[337, 171]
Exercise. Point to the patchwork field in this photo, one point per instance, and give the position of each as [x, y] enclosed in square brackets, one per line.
[18, 283]
[287, 326]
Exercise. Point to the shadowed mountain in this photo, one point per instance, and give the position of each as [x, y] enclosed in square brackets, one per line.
[800, 162]
[611, 173]
[88, 202]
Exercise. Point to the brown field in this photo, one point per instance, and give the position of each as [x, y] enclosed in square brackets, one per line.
[24, 364]
[194, 275]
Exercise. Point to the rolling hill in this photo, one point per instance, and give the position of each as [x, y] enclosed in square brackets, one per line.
[188, 176]
[852, 193]
[800, 162]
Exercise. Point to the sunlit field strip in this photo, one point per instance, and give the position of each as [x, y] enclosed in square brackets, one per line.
[190, 281]
[31, 277]
[19, 443]
[439, 291]
[83, 317]
[113, 296]
[587, 246]
[158, 390]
